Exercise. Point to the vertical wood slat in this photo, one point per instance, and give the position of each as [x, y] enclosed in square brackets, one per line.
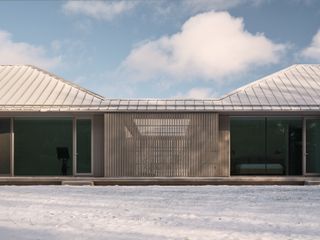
[106, 145]
[158, 145]
[98, 146]
[224, 145]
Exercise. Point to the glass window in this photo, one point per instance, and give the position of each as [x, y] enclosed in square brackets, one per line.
[263, 145]
[313, 146]
[4, 146]
[83, 146]
[36, 143]
[247, 145]
[284, 144]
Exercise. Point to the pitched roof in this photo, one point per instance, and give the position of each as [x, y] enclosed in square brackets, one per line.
[26, 87]
[294, 88]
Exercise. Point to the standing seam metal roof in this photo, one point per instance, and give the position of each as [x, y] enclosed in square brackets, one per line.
[294, 88]
[28, 88]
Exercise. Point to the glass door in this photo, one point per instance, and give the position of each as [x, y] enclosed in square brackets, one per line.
[312, 148]
[83, 147]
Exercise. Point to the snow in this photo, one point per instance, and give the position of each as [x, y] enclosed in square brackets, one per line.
[158, 212]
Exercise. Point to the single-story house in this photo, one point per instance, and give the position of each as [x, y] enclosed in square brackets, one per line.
[52, 127]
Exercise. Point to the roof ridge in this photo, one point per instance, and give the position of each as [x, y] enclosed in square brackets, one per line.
[72, 84]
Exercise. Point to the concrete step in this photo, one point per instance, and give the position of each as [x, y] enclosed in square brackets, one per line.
[77, 183]
[312, 182]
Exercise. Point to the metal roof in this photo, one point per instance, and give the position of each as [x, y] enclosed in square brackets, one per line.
[294, 88]
[28, 88]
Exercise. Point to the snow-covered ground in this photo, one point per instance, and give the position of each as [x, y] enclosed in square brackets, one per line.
[155, 212]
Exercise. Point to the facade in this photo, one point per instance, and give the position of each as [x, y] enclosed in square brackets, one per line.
[52, 127]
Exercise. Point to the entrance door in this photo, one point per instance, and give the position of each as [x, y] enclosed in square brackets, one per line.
[312, 149]
[84, 147]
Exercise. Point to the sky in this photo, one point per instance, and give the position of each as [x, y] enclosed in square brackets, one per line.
[159, 48]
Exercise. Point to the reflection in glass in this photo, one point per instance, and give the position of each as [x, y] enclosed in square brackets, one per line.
[36, 142]
[262, 145]
[313, 146]
[83, 146]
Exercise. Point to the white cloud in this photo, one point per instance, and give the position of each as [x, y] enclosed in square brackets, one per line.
[102, 10]
[211, 45]
[313, 51]
[23, 53]
[197, 93]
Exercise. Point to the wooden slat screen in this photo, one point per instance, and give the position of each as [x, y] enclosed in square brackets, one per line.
[224, 145]
[162, 145]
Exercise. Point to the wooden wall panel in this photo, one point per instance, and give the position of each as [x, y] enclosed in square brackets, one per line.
[224, 145]
[162, 145]
[98, 145]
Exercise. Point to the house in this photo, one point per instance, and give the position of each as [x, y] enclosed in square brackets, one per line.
[52, 127]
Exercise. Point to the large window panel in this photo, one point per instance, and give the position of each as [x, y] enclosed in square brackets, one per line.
[266, 146]
[247, 145]
[284, 144]
[313, 146]
[84, 146]
[36, 142]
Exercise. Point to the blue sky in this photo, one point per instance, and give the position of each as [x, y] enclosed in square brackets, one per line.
[158, 48]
